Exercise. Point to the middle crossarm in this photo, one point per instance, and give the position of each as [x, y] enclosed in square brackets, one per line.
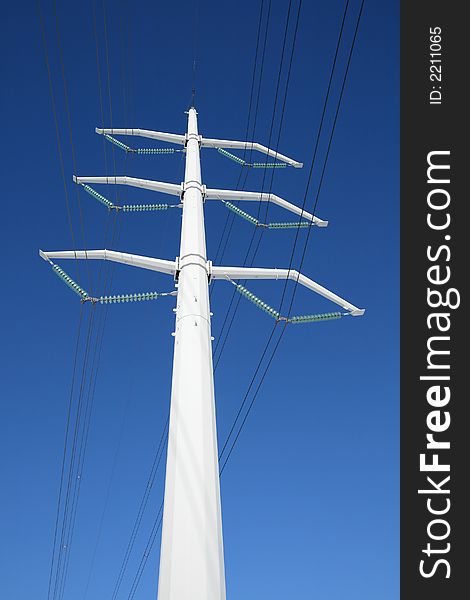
[212, 143]
[255, 273]
[234, 195]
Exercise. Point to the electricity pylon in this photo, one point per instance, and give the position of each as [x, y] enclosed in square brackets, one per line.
[192, 558]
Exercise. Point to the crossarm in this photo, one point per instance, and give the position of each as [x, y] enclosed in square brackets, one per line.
[255, 273]
[234, 195]
[148, 184]
[135, 260]
[212, 143]
[172, 138]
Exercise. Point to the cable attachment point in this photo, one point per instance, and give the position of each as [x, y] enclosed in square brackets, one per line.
[126, 148]
[280, 225]
[256, 165]
[315, 318]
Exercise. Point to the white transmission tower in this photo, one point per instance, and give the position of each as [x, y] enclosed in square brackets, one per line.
[192, 557]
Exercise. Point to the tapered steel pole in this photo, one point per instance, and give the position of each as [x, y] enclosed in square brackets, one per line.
[192, 560]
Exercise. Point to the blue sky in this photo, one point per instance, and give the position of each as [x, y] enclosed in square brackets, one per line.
[310, 494]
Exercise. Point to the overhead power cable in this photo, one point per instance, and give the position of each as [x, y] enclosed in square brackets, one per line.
[143, 503]
[56, 557]
[224, 336]
[83, 418]
[318, 137]
[260, 21]
[57, 130]
[70, 130]
[330, 140]
[106, 271]
[244, 173]
[270, 360]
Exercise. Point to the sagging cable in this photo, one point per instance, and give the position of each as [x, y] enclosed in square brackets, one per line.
[280, 225]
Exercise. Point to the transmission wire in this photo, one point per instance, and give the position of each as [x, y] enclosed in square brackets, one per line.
[296, 283]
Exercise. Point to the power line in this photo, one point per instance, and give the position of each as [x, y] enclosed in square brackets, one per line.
[260, 20]
[69, 518]
[143, 561]
[254, 125]
[330, 138]
[69, 125]
[270, 188]
[107, 495]
[64, 453]
[64, 528]
[143, 503]
[75, 360]
[57, 131]
[107, 275]
[303, 255]
[317, 143]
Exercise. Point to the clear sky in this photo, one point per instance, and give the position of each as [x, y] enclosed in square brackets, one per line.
[310, 493]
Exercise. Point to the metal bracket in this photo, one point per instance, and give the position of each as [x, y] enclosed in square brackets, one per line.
[209, 270]
[176, 273]
[192, 136]
[193, 184]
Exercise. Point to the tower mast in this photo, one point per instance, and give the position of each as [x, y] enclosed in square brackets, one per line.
[192, 559]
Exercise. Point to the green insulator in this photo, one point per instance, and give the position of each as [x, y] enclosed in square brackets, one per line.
[155, 150]
[69, 281]
[316, 318]
[279, 165]
[236, 159]
[257, 301]
[289, 225]
[241, 213]
[117, 143]
[98, 196]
